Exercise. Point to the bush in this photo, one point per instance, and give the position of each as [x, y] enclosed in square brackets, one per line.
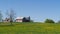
[49, 21]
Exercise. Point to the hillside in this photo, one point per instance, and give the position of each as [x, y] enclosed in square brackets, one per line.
[29, 28]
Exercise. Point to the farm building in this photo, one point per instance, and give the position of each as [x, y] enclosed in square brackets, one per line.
[19, 19]
[23, 19]
[6, 20]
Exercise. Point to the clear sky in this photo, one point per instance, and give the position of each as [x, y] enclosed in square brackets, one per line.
[39, 10]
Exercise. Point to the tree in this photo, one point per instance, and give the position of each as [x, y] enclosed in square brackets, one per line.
[49, 21]
[1, 16]
[11, 15]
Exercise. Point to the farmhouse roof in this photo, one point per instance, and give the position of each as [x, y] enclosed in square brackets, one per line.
[19, 18]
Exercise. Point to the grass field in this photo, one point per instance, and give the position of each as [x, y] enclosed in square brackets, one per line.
[29, 28]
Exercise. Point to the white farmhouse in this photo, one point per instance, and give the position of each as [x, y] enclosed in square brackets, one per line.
[19, 19]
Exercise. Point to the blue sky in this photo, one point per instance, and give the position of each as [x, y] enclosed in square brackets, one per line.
[39, 10]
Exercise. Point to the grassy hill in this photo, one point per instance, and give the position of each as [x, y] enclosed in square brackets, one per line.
[29, 28]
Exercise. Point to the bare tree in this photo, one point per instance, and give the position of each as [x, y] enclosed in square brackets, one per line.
[11, 15]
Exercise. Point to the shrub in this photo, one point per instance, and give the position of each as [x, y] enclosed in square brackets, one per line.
[49, 21]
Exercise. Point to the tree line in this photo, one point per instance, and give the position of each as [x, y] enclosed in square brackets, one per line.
[51, 21]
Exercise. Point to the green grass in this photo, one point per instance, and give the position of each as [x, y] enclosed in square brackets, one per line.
[29, 28]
